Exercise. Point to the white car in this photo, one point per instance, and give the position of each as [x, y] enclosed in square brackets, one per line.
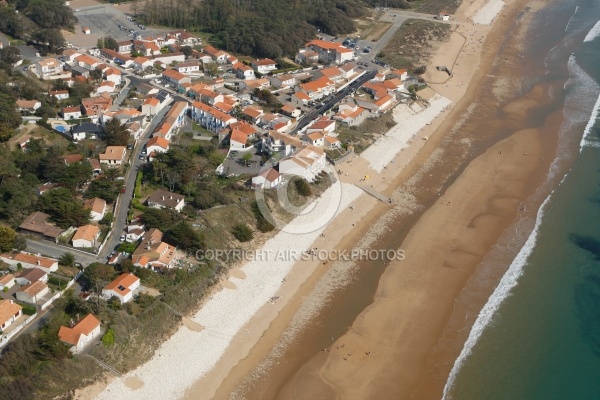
[122, 238]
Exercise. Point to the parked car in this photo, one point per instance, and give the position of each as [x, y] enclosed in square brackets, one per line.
[122, 238]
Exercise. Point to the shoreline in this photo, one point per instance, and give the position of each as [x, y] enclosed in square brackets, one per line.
[321, 363]
[297, 279]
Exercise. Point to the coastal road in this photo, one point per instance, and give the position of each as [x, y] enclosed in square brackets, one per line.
[120, 218]
[50, 249]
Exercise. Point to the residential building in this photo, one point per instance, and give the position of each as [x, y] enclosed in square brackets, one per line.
[157, 145]
[106, 87]
[71, 112]
[350, 113]
[264, 66]
[152, 105]
[97, 208]
[94, 106]
[163, 199]
[81, 334]
[191, 66]
[262, 84]
[330, 51]
[30, 275]
[242, 71]
[210, 118]
[87, 62]
[332, 73]
[322, 124]
[142, 63]
[279, 143]
[113, 156]
[348, 70]
[135, 230]
[9, 312]
[220, 57]
[125, 46]
[315, 138]
[332, 143]
[317, 88]
[69, 55]
[300, 99]
[72, 158]
[113, 75]
[175, 78]
[122, 59]
[291, 110]
[123, 288]
[153, 253]
[174, 118]
[46, 67]
[37, 223]
[60, 94]
[86, 236]
[28, 105]
[86, 130]
[32, 292]
[253, 113]
[307, 57]
[268, 178]
[29, 261]
[7, 281]
[283, 81]
[306, 162]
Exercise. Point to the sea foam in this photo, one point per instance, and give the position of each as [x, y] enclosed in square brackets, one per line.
[593, 33]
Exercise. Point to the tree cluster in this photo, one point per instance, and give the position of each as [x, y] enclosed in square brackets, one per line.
[264, 28]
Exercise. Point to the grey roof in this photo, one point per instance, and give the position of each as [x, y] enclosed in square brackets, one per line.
[87, 127]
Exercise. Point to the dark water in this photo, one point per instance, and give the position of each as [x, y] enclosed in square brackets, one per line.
[543, 340]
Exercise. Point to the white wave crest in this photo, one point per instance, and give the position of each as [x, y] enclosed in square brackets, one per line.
[593, 33]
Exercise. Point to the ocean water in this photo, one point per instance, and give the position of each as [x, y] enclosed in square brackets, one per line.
[538, 336]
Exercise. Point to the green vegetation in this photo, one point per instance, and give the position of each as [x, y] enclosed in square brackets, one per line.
[303, 187]
[7, 238]
[262, 224]
[363, 135]
[116, 134]
[67, 259]
[242, 232]
[269, 28]
[38, 22]
[63, 208]
[109, 338]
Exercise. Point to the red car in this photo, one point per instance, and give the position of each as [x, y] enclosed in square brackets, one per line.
[123, 190]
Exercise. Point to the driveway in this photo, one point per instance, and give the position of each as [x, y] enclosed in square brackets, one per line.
[236, 165]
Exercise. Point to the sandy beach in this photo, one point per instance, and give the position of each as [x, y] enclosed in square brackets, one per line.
[415, 298]
[243, 330]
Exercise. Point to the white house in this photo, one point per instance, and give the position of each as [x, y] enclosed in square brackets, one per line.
[267, 179]
[86, 236]
[106, 87]
[7, 281]
[264, 66]
[210, 118]
[283, 81]
[81, 334]
[30, 261]
[243, 71]
[318, 88]
[157, 145]
[97, 208]
[60, 94]
[163, 199]
[191, 66]
[32, 292]
[31, 275]
[315, 138]
[305, 162]
[122, 287]
[71, 112]
[113, 156]
[9, 312]
[47, 66]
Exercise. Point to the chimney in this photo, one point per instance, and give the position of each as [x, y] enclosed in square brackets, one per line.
[163, 197]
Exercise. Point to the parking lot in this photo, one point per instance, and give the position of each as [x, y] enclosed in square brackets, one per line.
[103, 21]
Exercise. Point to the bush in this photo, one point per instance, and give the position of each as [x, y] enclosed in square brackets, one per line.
[303, 187]
[109, 338]
[5, 290]
[107, 219]
[262, 224]
[242, 232]
[28, 309]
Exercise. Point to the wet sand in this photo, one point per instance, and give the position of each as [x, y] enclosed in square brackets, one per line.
[392, 349]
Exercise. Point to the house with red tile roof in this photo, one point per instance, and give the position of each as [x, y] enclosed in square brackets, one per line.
[30, 261]
[9, 312]
[243, 71]
[268, 178]
[80, 334]
[264, 66]
[317, 88]
[123, 288]
[86, 236]
[97, 207]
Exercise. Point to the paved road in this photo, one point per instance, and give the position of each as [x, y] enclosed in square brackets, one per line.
[339, 96]
[120, 221]
[53, 250]
[122, 95]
